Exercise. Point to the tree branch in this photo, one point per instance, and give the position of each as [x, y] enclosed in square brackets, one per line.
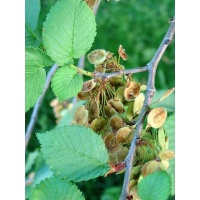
[96, 7]
[152, 66]
[34, 115]
[126, 72]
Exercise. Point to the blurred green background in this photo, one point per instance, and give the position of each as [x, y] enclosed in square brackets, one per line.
[139, 25]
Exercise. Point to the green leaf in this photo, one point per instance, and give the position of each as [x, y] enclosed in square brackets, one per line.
[168, 103]
[30, 38]
[74, 152]
[111, 193]
[161, 137]
[66, 83]
[31, 159]
[32, 11]
[167, 93]
[34, 85]
[36, 58]
[56, 189]
[69, 31]
[156, 186]
[41, 171]
[170, 129]
[35, 75]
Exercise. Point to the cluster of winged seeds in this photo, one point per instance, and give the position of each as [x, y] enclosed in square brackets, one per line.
[111, 104]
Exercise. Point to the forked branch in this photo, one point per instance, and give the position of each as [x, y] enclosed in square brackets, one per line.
[152, 66]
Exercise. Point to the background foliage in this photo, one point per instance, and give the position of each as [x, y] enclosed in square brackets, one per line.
[140, 27]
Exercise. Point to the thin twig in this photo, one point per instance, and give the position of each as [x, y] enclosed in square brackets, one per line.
[29, 181]
[96, 7]
[152, 66]
[81, 62]
[34, 115]
[125, 72]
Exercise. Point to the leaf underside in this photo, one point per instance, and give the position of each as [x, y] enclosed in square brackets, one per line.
[32, 11]
[74, 152]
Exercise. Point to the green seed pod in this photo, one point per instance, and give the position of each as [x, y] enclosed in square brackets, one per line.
[109, 111]
[135, 172]
[113, 158]
[105, 132]
[132, 90]
[120, 93]
[97, 57]
[152, 166]
[117, 80]
[111, 144]
[145, 151]
[100, 68]
[139, 101]
[111, 64]
[93, 109]
[129, 110]
[157, 117]
[124, 135]
[117, 105]
[98, 124]
[80, 116]
[161, 137]
[143, 87]
[166, 154]
[121, 155]
[116, 123]
[88, 85]
[166, 143]
[146, 135]
[83, 95]
[165, 163]
[132, 183]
